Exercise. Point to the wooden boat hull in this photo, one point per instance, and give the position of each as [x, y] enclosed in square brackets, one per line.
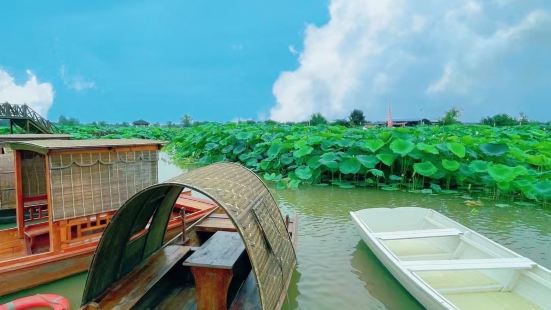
[445, 265]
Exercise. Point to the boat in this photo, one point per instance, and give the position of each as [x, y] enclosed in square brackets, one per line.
[446, 265]
[67, 192]
[239, 256]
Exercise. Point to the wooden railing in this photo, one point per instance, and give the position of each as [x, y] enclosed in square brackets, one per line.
[83, 229]
[17, 113]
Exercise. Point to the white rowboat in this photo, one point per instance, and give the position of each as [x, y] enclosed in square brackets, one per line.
[446, 265]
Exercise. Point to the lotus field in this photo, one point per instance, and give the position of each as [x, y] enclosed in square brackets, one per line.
[500, 162]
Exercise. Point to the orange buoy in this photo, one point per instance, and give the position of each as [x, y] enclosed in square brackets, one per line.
[52, 301]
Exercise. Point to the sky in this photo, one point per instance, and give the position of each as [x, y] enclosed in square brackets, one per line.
[283, 60]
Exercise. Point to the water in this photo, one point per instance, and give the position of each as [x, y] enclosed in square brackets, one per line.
[336, 270]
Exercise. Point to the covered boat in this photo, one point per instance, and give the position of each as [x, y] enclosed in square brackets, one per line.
[239, 257]
[66, 193]
[446, 265]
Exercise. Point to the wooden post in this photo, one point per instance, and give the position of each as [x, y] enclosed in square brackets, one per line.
[19, 204]
[55, 242]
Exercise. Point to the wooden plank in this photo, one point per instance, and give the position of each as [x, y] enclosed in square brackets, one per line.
[130, 289]
[221, 251]
[55, 238]
[411, 234]
[19, 203]
[463, 264]
[216, 222]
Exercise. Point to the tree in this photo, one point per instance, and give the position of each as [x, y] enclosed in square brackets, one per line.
[186, 121]
[71, 121]
[523, 119]
[356, 118]
[499, 120]
[451, 117]
[317, 119]
[341, 122]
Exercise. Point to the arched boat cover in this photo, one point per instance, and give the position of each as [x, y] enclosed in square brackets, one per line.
[237, 190]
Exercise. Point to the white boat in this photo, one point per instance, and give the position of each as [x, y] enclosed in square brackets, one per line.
[446, 265]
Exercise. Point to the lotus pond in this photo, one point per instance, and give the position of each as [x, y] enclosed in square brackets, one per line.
[335, 268]
[497, 162]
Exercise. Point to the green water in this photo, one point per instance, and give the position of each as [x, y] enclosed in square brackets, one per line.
[337, 271]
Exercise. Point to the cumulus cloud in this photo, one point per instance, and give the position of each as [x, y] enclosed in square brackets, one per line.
[38, 95]
[75, 82]
[430, 56]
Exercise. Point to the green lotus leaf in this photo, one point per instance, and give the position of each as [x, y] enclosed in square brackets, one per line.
[494, 149]
[368, 161]
[478, 166]
[537, 160]
[227, 149]
[314, 162]
[294, 183]
[425, 168]
[456, 148]
[303, 151]
[303, 172]
[239, 149]
[501, 173]
[265, 164]
[402, 147]
[543, 189]
[329, 156]
[387, 159]
[243, 135]
[211, 146]
[427, 148]
[450, 165]
[274, 149]
[374, 144]
[350, 166]
[377, 172]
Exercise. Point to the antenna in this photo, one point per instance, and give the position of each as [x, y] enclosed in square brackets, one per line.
[389, 122]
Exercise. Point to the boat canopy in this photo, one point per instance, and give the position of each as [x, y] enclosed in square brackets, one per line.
[46, 146]
[235, 189]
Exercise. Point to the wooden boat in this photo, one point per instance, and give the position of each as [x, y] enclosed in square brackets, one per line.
[240, 256]
[67, 193]
[446, 265]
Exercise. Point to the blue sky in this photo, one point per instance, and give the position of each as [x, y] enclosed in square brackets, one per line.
[223, 60]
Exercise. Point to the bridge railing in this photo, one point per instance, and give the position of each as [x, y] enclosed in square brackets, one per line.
[24, 112]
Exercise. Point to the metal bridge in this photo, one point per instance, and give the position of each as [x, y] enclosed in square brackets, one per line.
[26, 118]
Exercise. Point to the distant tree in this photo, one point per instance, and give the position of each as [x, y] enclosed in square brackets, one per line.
[523, 119]
[186, 121]
[451, 117]
[356, 118]
[125, 124]
[341, 122]
[317, 119]
[102, 123]
[169, 124]
[499, 120]
[71, 121]
[270, 122]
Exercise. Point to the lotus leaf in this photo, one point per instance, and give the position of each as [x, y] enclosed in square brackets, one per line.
[478, 166]
[457, 148]
[401, 146]
[425, 168]
[350, 166]
[303, 172]
[501, 173]
[494, 149]
[374, 144]
[387, 159]
[450, 165]
[303, 151]
[368, 161]
[428, 148]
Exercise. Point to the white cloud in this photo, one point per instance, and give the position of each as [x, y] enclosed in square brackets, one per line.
[429, 56]
[75, 82]
[39, 96]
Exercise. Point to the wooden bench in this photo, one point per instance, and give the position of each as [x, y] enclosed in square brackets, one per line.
[33, 232]
[466, 264]
[132, 287]
[412, 234]
[219, 268]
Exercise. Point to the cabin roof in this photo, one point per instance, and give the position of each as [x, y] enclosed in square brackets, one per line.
[26, 137]
[45, 146]
[234, 188]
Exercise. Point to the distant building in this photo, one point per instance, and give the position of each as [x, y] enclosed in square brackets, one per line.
[406, 122]
[140, 122]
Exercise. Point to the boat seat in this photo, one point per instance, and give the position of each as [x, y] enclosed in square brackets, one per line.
[132, 287]
[219, 268]
[465, 264]
[425, 233]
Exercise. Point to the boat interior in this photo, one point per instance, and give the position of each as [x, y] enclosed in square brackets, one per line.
[206, 267]
[468, 269]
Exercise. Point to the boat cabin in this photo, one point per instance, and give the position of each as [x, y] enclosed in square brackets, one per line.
[239, 256]
[7, 180]
[67, 190]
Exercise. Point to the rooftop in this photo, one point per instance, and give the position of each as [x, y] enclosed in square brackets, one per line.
[45, 146]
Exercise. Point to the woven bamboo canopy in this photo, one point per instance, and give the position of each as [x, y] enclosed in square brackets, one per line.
[240, 192]
[46, 146]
